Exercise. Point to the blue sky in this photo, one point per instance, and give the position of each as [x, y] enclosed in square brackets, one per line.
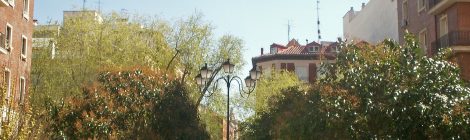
[258, 22]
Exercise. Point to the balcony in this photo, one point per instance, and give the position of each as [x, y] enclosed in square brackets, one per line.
[437, 6]
[458, 40]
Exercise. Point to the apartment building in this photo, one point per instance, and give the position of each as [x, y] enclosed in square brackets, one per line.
[44, 40]
[439, 24]
[303, 60]
[16, 28]
[95, 15]
[374, 22]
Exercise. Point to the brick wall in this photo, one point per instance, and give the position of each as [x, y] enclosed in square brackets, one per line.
[22, 25]
[417, 22]
[463, 13]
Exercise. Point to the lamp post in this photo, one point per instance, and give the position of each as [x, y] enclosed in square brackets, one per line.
[205, 81]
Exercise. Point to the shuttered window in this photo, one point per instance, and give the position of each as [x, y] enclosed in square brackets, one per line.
[290, 67]
[283, 66]
[312, 72]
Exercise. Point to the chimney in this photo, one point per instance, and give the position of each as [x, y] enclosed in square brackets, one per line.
[352, 9]
[363, 5]
[306, 41]
[262, 51]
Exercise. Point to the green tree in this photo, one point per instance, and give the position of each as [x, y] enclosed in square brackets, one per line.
[270, 86]
[85, 46]
[295, 114]
[129, 104]
[193, 44]
[399, 92]
[385, 91]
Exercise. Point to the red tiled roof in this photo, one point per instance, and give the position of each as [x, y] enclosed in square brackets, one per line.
[295, 50]
[292, 43]
[313, 44]
[278, 46]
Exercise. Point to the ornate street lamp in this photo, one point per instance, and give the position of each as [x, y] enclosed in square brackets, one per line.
[205, 81]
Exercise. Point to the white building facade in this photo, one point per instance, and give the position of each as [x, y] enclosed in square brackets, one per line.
[376, 21]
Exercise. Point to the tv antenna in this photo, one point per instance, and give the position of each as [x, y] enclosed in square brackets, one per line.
[288, 30]
[83, 7]
[318, 20]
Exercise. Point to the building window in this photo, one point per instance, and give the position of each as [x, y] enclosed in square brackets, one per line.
[291, 67]
[312, 72]
[404, 11]
[443, 26]
[24, 47]
[273, 50]
[313, 49]
[26, 9]
[301, 72]
[421, 5]
[422, 40]
[22, 89]
[11, 2]
[288, 66]
[7, 83]
[8, 37]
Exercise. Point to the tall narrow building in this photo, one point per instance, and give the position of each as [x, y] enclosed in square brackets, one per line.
[16, 28]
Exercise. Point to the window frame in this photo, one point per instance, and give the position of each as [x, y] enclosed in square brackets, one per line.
[26, 9]
[424, 44]
[273, 50]
[8, 82]
[22, 89]
[24, 47]
[421, 5]
[8, 36]
[12, 3]
[6, 107]
[446, 27]
[316, 49]
[404, 10]
[302, 73]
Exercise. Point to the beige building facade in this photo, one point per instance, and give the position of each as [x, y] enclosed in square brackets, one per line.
[303, 60]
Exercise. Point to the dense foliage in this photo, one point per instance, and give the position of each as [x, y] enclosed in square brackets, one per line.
[385, 91]
[271, 85]
[127, 105]
[85, 46]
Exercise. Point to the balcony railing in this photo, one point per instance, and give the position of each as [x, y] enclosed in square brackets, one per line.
[453, 38]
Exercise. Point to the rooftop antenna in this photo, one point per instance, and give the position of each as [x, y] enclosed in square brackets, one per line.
[288, 30]
[83, 8]
[318, 20]
[99, 6]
